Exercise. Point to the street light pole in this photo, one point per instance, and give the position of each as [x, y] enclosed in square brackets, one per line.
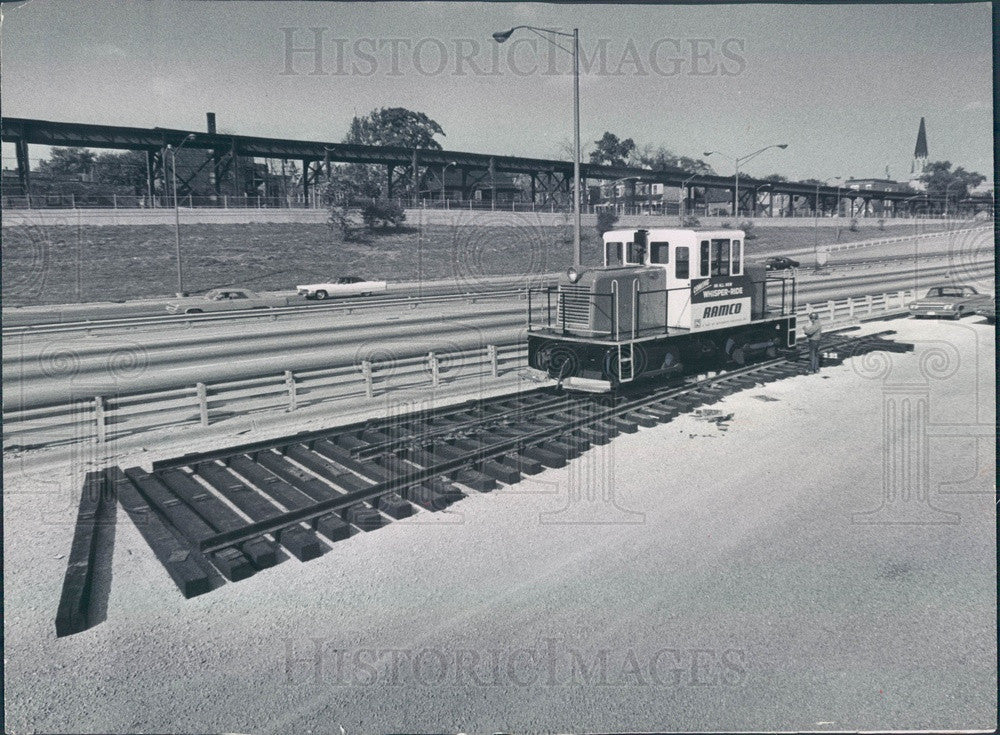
[816, 222]
[950, 184]
[502, 36]
[577, 255]
[742, 159]
[177, 214]
[681, 207]
[443, 170]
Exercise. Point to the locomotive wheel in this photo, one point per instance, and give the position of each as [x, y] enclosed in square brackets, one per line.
[559, 361]
[672, 361]
[739, 356]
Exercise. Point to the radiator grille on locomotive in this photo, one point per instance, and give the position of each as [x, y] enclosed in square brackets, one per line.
[574, 305]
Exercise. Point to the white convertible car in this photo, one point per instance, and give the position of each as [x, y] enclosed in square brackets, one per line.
[343, 286]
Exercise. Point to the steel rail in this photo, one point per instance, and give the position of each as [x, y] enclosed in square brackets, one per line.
[222, 540]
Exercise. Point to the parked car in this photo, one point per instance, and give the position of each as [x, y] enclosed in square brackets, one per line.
[780, 263]
[230, 299]
[949, 301]
[343, 286]
[988, 309]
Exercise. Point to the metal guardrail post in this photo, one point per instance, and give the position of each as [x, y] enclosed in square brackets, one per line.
[833, 309]
[491, 352]
[102, 427]
[868, 303]
[850, 307]
[290, 384]
[202, 403]
[366, 372]
[435, 367]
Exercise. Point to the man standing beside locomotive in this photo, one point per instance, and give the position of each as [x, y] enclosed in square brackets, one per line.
[813, 332]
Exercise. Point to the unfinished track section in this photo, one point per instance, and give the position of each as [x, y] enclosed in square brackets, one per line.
[228, 514]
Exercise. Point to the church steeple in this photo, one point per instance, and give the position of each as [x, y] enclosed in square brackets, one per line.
[920, 151]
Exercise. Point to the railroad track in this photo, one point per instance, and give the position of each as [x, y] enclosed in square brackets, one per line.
[227, 514]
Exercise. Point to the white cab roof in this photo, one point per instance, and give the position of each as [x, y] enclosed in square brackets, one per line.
[680, 234]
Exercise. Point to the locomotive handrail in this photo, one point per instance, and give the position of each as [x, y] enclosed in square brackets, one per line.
[614, 308]
[635, 305]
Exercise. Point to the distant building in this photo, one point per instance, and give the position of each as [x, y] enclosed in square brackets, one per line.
[475, 184]
[875, 185]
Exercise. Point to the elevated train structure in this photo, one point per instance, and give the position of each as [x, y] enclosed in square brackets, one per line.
[549, 181]
[664, 298]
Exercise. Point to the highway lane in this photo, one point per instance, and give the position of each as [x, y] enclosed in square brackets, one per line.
[69, 313]
[72, 313]
[224, 347]
[45, 372]
[185, 334]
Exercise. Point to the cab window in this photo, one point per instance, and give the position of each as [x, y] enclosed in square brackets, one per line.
[681, 264]
[737, 258]
[659, 252]
[613, 253]
[720, 257]
[703, 271]
[636, 253]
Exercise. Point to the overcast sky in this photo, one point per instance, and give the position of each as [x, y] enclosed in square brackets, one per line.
[844, 86]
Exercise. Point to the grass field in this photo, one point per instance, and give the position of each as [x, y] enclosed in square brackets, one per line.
[56, 264]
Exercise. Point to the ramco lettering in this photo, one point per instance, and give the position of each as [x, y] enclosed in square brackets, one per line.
[721, 310]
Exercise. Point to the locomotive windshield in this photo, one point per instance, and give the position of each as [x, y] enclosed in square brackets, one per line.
[659, 252]
[720, 257]
[613, 253]
[682, 266]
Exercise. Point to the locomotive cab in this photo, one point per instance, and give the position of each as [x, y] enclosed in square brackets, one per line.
[706, 287]
[662, 299]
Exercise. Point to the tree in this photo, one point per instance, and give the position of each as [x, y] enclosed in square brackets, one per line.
[776, 178]
[388, 126]
[383, 213]
[126, 169]
[663, 159]
[395, 126]
[68, 162]
[606, 220]
[611, 151]
[942, 182]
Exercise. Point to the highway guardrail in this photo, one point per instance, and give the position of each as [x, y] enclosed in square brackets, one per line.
[104, 418]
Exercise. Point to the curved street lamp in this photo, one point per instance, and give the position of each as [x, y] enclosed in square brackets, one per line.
[680, 204]
[838, 179]
[738, 161]
[177, 213]
[443, 170]
[501, 37]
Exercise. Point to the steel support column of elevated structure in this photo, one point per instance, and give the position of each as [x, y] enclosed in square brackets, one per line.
[549, 179]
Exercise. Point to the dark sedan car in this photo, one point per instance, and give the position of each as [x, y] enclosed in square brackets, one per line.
[780, 263]
[949, 301]
[988, 309]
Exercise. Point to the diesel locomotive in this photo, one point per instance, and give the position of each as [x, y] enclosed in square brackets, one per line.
[664, 299]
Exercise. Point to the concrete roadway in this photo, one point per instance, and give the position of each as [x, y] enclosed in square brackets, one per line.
[52, 369]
